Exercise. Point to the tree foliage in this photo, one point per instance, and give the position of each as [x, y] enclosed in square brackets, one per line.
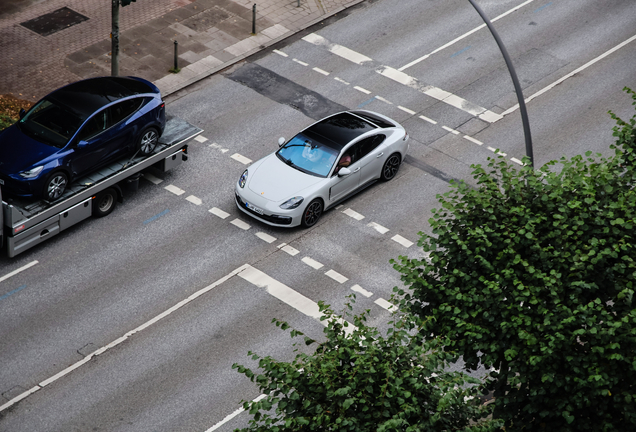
[532, 273]
[359, 380]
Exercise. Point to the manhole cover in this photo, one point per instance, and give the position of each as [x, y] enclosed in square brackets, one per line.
[54, 22]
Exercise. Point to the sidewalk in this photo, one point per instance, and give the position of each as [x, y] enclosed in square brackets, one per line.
[45, 44]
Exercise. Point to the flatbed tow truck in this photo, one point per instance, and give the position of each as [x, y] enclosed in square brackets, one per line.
[27, 223]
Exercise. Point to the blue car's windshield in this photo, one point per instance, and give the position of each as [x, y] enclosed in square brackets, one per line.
[308, 155]
[50, 123]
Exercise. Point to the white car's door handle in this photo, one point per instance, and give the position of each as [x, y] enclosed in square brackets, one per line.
[380, 155]
[357, 169]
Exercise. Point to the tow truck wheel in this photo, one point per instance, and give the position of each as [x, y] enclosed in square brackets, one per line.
[105, 202]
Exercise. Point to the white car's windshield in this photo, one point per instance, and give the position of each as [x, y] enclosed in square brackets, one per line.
[308, 155]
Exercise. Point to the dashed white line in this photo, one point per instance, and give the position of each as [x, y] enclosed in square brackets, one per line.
[494, 150]
[240, 224]
[266, 237]
[379, 228]
[151, 178]
[215, 145]
[473, 140]
[353, 214]
[406, 110]
[363, 90]
[300, 62]
[401, 240]
[320, 71]
[218, 212]
[428, 119]
[175, 190]
[357, 288]
[517, 161]
[385, 304]
[336, 49]
[380, 98]
[15, 272]
[453, 131]
[242, 159]
[287, 248]
[194, 200]
[341, 80]
[336, 276]
[280, 53]
[312, 263]
[200, 138]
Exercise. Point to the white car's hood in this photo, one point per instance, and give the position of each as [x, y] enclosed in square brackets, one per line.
[276, 181]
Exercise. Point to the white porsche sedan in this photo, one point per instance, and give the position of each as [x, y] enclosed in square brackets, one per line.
[321, 166]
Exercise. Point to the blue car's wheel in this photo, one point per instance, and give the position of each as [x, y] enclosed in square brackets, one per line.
[54, 186]
[148, 141]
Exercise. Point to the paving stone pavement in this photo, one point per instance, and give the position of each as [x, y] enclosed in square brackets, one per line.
[211, 35]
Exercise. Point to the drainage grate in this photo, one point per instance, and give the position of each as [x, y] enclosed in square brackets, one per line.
[55, 21]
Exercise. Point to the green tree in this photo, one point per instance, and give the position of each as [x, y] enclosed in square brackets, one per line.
[359, 380]
[532, 273]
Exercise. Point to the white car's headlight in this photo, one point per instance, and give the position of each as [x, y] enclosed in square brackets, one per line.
[243, 179]
[292, 203]
[33, 172]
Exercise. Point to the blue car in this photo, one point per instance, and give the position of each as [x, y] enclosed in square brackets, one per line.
[76, 130]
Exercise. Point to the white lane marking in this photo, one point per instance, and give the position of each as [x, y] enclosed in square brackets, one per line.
[357, 288]
[407, 110]
[239, 223]
[312, 263]
[385, 304]
[401, 240]
[175, 190]
[215, 145]
[571, 74]
[121, 339]
[416, 61]
[450, 130]
[439, 94]
[428, 119]
[380, 98]
[353, 214]
[218, 212]
[379, 228]
[225, 150]
[265, 237]
[320, 71]
[300, 62]
[151, 178]
[517, 161]
[339, 207]
[341, 80]
[280, 53]
[287, 248]
[285, 294]
[234, 414]
[194, 200]
[363, 90]
[336, 276]
[471, 139]
[240, 158]
[200, 138]
[336, 49]
[15, 272]
[494, 150]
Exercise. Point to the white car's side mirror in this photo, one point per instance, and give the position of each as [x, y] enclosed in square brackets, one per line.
[344, 172]
[281, 141]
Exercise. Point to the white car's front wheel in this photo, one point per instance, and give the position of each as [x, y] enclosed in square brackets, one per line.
[312, 213]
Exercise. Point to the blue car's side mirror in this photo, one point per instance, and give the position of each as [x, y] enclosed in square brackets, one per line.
[22, 112]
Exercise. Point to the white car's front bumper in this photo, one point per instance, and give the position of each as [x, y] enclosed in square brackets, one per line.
[271, 214]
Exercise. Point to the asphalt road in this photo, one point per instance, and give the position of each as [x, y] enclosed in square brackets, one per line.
[193, 283]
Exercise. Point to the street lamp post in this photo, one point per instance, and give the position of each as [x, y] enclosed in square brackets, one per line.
[515, 82]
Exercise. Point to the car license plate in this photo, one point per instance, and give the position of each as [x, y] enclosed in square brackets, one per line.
[254, 209]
